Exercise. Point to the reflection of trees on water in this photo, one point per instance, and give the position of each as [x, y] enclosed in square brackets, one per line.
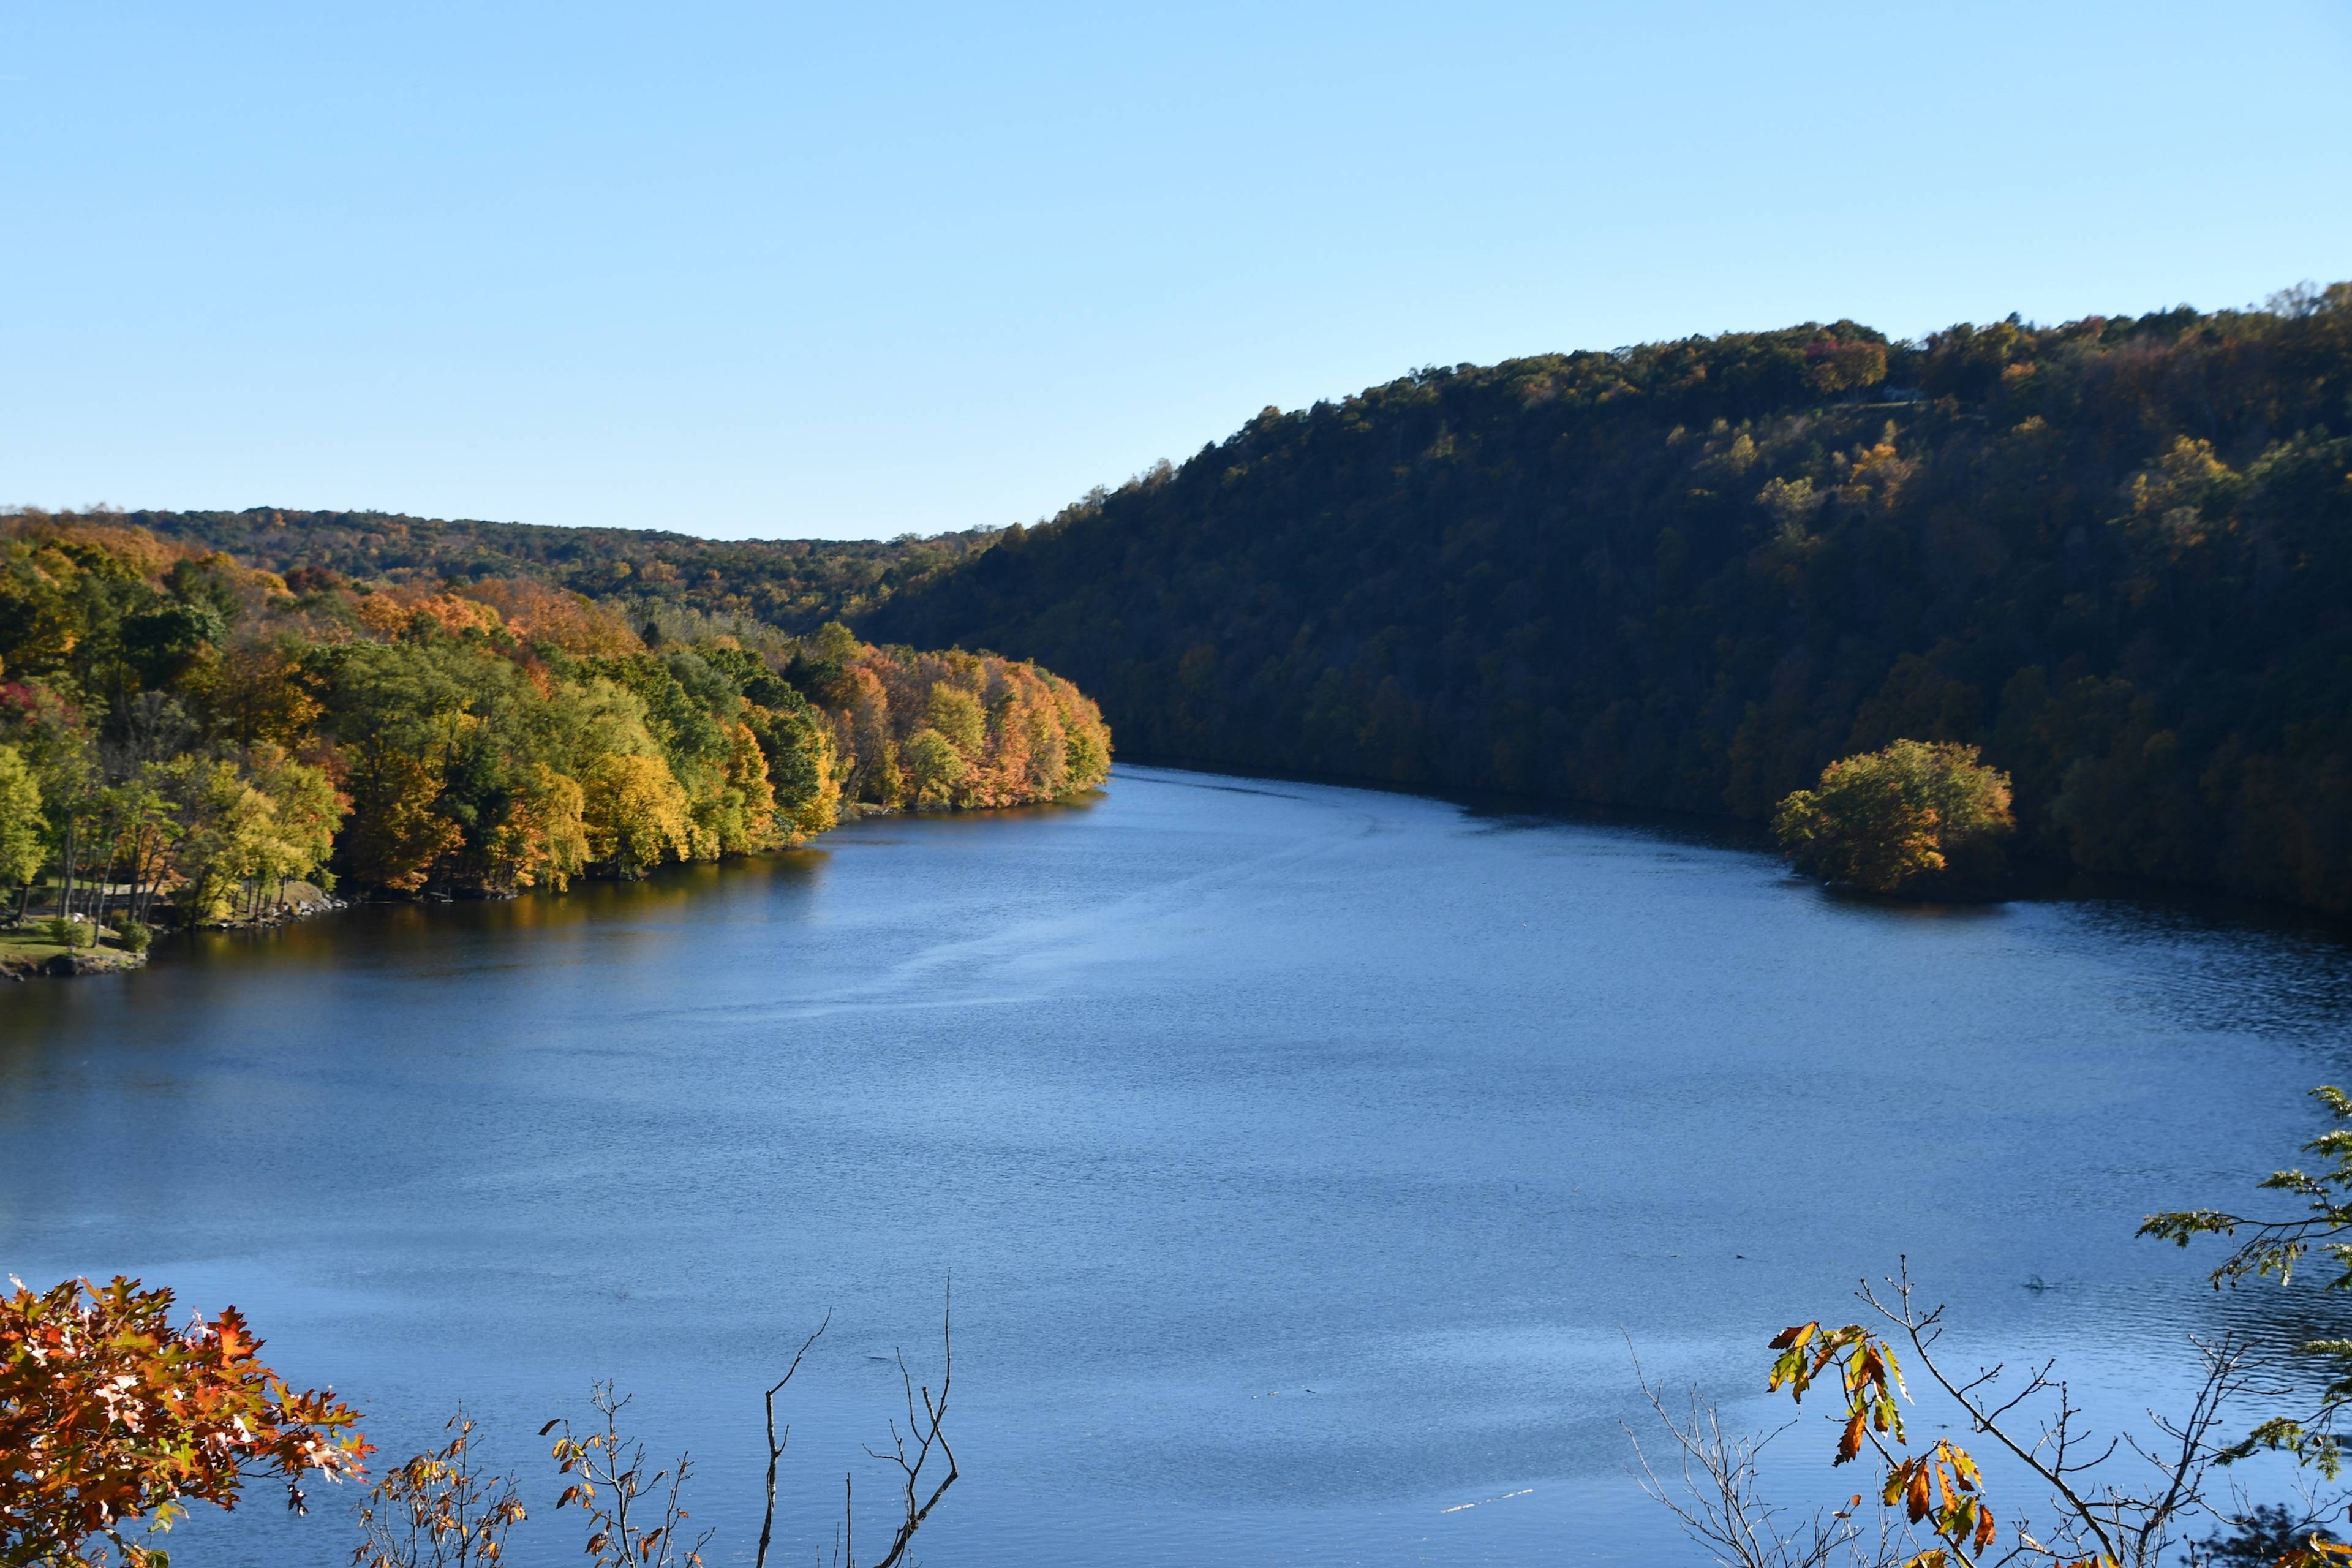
[668, 897]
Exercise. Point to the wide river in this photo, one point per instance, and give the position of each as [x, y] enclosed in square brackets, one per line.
[1305, 1160]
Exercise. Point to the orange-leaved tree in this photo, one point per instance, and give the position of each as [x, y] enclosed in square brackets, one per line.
[110, 1419]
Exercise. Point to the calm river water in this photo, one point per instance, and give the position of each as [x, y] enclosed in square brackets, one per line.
[1303, 1158]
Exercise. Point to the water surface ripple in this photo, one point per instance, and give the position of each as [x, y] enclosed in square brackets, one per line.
[1303, 1157]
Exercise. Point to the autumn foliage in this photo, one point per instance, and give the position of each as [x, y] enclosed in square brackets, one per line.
[112, 1421]
[438, 1510]
[2114, 553]
[1893, 817]
[203, 733]
[634, 1520]
[1939, 1488]
[2116, 1498]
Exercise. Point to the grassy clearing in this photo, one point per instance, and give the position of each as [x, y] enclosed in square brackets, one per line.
[29, 951]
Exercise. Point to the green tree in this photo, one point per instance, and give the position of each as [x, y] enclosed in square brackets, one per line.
[397, 710]
[305, 810]
[165, 644]
[21, 822]
[1885, 819]
[225, 834]
[834, 643]
[804, 762]
[935, 769]
[1087, 749]
[956, 714]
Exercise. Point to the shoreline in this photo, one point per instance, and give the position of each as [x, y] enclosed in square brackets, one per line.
[25, 955]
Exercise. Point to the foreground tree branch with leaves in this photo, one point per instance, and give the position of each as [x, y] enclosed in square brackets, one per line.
[438, 1510]
[2118, 1503]
[2124, 1499]
[611, 1487]
[112, 1422]
[2273, 1249]
[1716, 1496]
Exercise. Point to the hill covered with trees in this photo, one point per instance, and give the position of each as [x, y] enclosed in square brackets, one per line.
[181, 730]
[2116, 554]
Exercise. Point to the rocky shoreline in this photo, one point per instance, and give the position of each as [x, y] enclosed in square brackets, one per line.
[25, 956]
[59, 965]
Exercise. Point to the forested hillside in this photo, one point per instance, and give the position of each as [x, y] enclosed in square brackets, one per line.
[191, 733]
[795, 583]
[2117, 553]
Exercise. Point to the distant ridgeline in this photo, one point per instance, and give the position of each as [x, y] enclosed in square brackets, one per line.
[182, 731]
[795, 583]
[2117, 553]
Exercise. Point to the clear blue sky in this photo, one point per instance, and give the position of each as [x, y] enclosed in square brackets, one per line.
[853, 269]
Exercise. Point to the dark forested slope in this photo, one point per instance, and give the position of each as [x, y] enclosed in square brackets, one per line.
[2117, 554]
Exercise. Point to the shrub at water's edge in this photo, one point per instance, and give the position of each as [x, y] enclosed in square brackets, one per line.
[1910, 816]
[183, 737]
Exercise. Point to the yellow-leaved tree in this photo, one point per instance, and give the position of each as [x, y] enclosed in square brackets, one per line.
[226, 829]
[634, 814]
[305, 810]
[935, 770]
[1892, 818]
[20, 820]
[542, 839]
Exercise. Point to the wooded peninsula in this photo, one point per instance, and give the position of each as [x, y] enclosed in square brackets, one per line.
[185, 735]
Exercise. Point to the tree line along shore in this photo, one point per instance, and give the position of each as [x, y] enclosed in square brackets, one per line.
[2114, 554]
[2111, 555]
[186, 739]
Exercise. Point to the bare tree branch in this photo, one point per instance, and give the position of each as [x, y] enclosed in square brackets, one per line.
[1716, 1500]
[776, 1444]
